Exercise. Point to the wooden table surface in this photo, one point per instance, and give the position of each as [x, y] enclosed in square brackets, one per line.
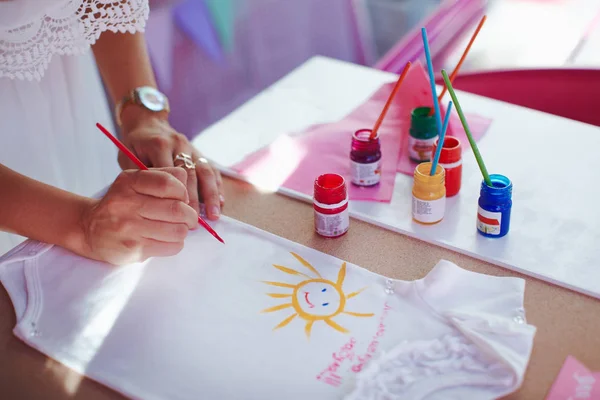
[568, 323]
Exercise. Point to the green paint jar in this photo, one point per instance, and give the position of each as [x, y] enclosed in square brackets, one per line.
[422, 134]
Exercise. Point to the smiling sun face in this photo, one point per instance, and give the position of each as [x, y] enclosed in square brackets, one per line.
[314, 299]
[319, 298]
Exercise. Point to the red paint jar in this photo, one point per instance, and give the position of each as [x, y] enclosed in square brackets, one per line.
[330, 203]
[451, 160]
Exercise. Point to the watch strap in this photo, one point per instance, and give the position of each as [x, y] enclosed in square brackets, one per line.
[133, 98]
[127, 99]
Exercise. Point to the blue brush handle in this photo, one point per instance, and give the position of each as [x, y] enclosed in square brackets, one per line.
[436, 105]
[440, 144]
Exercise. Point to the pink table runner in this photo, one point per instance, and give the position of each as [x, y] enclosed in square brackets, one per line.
[297, 159]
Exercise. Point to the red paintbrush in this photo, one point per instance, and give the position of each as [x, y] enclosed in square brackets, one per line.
[141, 165]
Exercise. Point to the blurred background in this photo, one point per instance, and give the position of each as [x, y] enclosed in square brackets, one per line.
[211, 56]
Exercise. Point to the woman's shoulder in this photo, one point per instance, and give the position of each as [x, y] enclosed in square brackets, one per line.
[32, 31]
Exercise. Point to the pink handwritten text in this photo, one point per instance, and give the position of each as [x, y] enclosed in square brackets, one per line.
[372, 348]
[330, 374]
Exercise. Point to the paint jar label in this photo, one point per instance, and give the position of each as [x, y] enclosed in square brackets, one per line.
[365, 174]
[332, 225]
[448, 167]
[428, 211]
[489, 222]
[420, 149]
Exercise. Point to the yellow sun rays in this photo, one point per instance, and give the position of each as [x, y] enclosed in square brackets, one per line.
[291, 271]
[279, 295]
[286, 321]
[277, 308]
[341, 276]
[280, 284]
[306, 264]
[357, 314]
[308, 328]
[351, 295]
[335, 326]
[312, 277]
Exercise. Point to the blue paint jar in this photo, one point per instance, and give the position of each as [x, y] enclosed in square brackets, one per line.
[495, 203]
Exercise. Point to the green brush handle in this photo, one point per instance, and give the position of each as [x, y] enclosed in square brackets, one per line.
[461, 115]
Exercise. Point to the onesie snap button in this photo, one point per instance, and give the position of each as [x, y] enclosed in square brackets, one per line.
[34, 331]
[389, 286]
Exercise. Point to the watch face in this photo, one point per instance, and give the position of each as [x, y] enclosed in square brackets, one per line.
[151, 98]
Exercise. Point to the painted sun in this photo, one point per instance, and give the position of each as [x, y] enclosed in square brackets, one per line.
[314, 299]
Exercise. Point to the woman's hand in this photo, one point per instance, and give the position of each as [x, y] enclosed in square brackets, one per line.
[143, 214]
[157, 145]
[124, 64]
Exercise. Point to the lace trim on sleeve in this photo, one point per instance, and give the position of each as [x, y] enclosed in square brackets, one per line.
[70, 28]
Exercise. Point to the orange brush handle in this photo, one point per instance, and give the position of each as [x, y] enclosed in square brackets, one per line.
[389, 100]
[462, 59]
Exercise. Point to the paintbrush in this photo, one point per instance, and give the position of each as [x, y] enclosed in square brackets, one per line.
[141, 166]
[389, 101]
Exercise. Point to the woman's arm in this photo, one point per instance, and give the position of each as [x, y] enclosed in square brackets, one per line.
[124, 65]
[143, 214]
[42, 212]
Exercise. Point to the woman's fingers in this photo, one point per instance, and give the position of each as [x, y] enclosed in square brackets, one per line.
[192, 187]
[143, 214]
[167, 210]
[125, 162]
[207, 181]
[164, 231]
[156, 248]
[220, 187]
[185, 161]
[166, 183]
[159, 150]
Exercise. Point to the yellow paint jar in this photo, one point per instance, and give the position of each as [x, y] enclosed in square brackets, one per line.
[428, 194]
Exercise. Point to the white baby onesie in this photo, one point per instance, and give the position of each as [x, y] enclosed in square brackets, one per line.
[265, 318]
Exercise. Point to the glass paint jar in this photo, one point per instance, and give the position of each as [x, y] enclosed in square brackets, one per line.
[365, 158]
[428, 194]
[330, 203]
[451, 160]
[495, 204]
[422, 134]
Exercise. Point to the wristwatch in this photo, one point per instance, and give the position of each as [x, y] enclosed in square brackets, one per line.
[146, 97]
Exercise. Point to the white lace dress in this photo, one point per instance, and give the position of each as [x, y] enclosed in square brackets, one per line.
[51, 94]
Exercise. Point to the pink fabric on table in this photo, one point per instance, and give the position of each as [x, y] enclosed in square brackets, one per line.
[294, 161]
[575, 381]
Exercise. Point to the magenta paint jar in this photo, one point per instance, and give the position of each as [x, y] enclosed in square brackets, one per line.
[365, 158]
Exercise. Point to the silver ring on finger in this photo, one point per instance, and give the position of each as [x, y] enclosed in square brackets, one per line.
[202, 160]
[186, 161]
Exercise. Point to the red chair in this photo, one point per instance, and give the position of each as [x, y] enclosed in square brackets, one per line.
[569, 93]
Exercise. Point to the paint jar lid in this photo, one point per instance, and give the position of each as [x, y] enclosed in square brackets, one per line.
[362, 142]
[501, 187]
[451, 151]
[422, 125]
[330, 189]
[422, 175]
